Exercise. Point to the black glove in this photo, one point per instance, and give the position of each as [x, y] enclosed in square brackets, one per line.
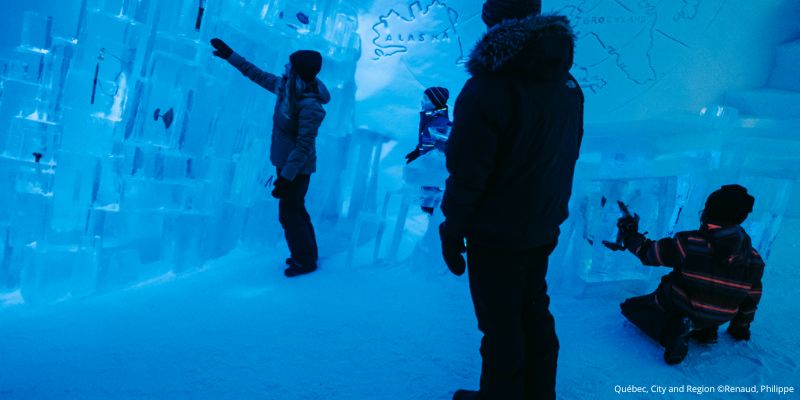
[222, 51]
[412, 156]
[629, 232]
[628, 225]
[281, 187]
[452, 249]
[739, 332]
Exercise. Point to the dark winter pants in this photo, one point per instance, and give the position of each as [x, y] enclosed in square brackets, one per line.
[647, 315]
[656, 317]
[519, 346]
[296, 223]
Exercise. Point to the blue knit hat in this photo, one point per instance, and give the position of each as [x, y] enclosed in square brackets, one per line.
[306, 64]
[729, 204]
[438, 96]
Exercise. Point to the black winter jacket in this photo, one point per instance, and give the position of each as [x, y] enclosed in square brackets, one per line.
[517, 131]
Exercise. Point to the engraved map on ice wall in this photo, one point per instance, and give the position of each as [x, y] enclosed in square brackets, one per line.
[617, 39]
[624, 47]
[430, 25]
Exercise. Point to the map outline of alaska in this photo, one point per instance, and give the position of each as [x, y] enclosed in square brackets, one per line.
[399, 44]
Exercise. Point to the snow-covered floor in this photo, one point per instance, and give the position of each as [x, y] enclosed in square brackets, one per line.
[237, 329]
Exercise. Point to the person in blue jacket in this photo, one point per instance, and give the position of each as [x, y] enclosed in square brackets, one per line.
[434, 129]
[296, 120]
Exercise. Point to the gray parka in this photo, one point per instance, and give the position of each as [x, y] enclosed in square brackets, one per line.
[295, 121]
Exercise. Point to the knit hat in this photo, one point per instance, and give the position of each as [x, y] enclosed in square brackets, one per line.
[438, 96]
[495, 11]
[306, 64]
[729, 205]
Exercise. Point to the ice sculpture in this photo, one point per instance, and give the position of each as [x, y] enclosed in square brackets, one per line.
[127, 150]
[676, 164]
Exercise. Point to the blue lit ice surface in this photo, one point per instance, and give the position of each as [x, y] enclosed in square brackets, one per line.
[148, 161]
[118, 199]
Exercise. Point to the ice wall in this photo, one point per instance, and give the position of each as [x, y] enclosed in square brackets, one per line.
[682, 97]
[676, 164]
[128, 150]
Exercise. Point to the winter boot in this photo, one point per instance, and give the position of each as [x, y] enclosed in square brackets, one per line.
[676, 340]
[295, 268]
[290, 261]
[462, 394]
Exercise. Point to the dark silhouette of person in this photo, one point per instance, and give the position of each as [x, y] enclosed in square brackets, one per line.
[511, 155]
[295, 123]
[715, 278]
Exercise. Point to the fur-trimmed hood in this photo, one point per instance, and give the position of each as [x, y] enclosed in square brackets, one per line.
[539, 46]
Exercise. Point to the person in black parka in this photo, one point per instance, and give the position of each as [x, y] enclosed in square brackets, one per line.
[511, 155]
[296, 120]
[715, 278]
